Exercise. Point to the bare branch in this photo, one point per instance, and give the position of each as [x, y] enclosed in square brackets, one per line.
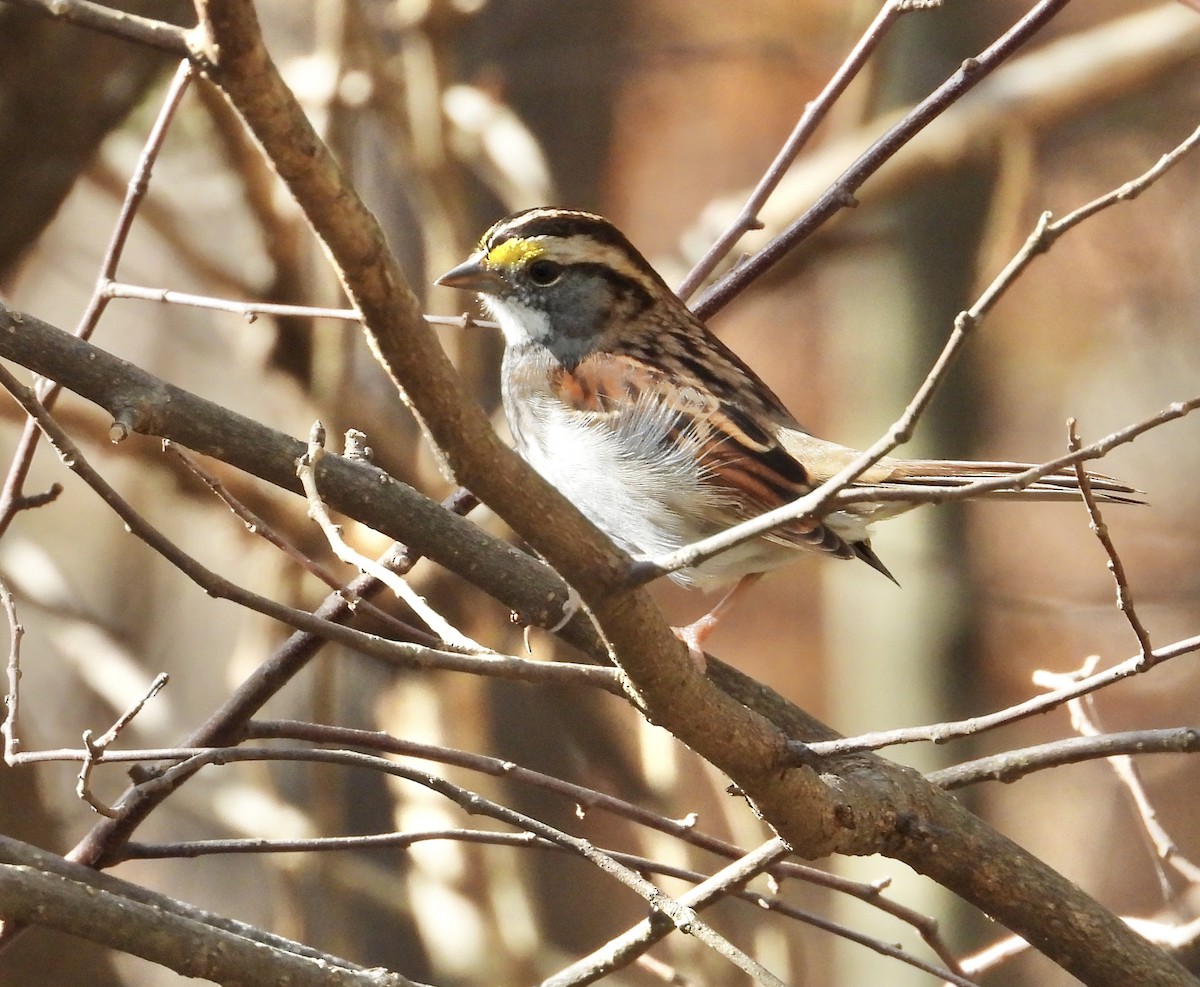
[1125, 193]
[1115, 565]
[94, 748]
[12, 695]
[814, 112]
[112, 733]
[1084, 720]
[939, 733]
[840, 194]
[84, 779]
[12, 499]
[1012, 765]
[97, 17]
[306, 470]
[42, 889]
[249, 311]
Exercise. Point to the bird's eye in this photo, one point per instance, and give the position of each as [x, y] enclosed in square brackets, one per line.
[545, 272]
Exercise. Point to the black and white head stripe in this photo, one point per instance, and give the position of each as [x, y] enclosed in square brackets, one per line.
[567, 236]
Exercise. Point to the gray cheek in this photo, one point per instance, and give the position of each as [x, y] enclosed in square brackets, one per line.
[580, 308]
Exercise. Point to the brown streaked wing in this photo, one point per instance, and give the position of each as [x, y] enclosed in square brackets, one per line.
[736, 453]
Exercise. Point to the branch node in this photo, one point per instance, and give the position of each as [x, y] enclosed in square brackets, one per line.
[92, 750]
[30, 502]
[122, 425]
[798, 754]
[356, 447]
[966, 322]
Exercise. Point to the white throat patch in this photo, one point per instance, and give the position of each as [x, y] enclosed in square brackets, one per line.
[519, 323]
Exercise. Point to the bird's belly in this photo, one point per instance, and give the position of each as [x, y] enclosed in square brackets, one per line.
[644, 490]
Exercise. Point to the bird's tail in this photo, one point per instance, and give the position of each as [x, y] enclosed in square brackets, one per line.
[1062, 485]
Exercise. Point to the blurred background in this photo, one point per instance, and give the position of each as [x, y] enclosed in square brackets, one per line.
[662, 116]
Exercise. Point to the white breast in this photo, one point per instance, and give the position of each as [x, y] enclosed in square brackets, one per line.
[634, 480]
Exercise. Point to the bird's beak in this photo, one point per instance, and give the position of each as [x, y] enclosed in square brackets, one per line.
[473, 274]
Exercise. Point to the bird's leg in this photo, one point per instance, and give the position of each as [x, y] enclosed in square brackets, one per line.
[696, 633]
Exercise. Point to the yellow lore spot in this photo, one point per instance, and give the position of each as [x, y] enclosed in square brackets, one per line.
[514, 253]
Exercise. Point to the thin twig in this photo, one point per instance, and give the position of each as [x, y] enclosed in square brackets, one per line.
[83, 780]
[814, 112]
[12, 696]
[144, 30]
[1125, 193]
[840, 194]
[940, 733]
[1012, 765]
[260, 527]
[249, 311]
[12, 499]
[1085, 722]
[1115, 565]
[112, 733]
[191, 849]
[94, 747]
[306, 470]
[464, 321]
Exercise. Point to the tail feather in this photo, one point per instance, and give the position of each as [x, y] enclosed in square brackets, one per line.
[1063, 485]
[864, 551]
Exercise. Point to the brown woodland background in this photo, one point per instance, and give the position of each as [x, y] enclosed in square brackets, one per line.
[659, 115]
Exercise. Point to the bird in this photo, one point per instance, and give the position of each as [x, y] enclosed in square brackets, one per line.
[627, 403]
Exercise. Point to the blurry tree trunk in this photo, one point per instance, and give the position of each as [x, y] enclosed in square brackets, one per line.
[61, 93]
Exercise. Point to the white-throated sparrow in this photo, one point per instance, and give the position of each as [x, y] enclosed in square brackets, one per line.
[625, 401]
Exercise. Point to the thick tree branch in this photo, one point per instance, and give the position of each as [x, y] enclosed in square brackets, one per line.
[43, 889]
[862, 804]
[660, 674]
[140, 402]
